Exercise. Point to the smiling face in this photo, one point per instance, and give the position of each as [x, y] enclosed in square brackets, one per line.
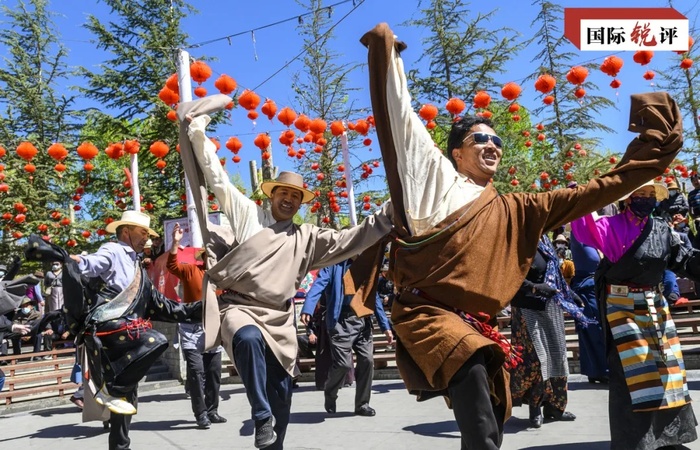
[285, 202]
[478, 160]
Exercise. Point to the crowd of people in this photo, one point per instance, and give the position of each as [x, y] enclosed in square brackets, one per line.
[453, 238]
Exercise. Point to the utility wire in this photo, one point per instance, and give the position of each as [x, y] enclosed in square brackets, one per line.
[289, 19]
[306, 48]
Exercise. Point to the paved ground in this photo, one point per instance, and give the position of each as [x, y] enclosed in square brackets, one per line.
[165, 422]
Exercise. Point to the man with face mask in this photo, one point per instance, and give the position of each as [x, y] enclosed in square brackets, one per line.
[649, 400]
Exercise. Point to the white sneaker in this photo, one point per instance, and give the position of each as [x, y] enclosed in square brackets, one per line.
[114, 404]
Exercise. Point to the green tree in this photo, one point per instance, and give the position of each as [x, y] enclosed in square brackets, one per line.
[141, 38]
[33, 110]
[322, 91]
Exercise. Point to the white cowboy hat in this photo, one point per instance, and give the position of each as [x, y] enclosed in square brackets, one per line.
[135, 218]
[661, 191]
[288, 179]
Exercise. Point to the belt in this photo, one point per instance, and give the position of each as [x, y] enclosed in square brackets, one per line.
[623, 289]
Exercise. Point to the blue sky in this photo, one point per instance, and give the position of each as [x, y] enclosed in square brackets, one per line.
[251, 63]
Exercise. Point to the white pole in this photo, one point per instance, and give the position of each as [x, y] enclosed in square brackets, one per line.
[348, 178]
[136, 193]
[185, 85]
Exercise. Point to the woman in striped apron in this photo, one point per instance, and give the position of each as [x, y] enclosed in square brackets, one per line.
[649, 404]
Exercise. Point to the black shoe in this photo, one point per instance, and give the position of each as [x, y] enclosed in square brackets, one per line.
[265, 432]
[329, 404]
[365, 410]
[216, 418]
[536, 417]
[203, 422]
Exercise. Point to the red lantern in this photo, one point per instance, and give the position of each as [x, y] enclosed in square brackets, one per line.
[159, 149]
[615, 83]
[59, 167]
[236, 159]
[132, 147]
[317, 126]
[511, 91]
[482, 99]
[86, 234]
[30, 168]
[643, 57]
[428, 112]
[249, 100]
[611, 65]
[548, 100]
[168, 96]
[302, 123]
[200, 91]
[200, 71]
[26, 151]
[234, 144]
[686, 64]
[225, 84]
[287, 116]
[579, 93]
[649, 75]
[455, 106]
[545, 83]
[269, 108]
[577, 75]
[57, 152]
[337, 128]
[172, 83]
[262, 141]
[160, 164]
[3, 152]
[87, 151]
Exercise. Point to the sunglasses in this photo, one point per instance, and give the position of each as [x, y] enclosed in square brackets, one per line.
[483, 138]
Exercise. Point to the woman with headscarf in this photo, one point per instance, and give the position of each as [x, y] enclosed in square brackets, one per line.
[540, 380]
[649, 402]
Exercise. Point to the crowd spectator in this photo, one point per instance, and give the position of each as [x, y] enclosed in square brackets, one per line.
[53, 287]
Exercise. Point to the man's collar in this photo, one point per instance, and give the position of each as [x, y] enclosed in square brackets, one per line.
[127, 247]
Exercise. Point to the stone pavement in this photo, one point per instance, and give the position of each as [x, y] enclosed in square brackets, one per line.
[165, 422]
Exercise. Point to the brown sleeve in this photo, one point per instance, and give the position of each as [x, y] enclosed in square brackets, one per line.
[658, 120]
[174, 267]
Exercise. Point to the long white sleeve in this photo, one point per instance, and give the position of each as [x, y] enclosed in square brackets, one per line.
[432, 187]
[246, 218]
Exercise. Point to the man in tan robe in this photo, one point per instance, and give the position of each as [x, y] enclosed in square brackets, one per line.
[268, 260]
[463, 250]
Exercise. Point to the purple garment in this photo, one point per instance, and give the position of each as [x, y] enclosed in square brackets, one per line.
[613, 235]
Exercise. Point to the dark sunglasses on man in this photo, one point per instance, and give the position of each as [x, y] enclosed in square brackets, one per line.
[483, 138]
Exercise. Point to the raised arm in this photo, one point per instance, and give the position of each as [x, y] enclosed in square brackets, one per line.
[657, 118]
[245, 216]
[418, 174]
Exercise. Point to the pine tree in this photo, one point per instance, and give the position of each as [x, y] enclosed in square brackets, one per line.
[33, 110]
[141, 38]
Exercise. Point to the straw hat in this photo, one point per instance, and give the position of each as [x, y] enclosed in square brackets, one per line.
[291, 180]
[672, 184]
[661, 191]
[561, 238]
[135, 218]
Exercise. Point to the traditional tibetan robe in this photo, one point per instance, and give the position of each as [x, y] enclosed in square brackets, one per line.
[462, 250]
[267, 260]
[649, 399]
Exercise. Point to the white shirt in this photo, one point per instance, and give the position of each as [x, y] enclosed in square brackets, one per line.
[432, 187]
[114, 262]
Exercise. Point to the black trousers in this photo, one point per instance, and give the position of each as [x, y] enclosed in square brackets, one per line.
[351, 333]
[119, 425]
[480, 421]
[204, 378]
